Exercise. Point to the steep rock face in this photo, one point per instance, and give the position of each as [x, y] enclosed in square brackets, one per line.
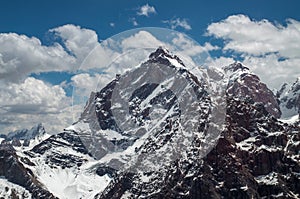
[143, 105]
[289, 97]
[247, 86]
[52, 149]
[14, 171]
[256, 156]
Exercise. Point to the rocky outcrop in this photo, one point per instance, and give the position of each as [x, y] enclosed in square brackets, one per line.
[14, 171]
[247, 86]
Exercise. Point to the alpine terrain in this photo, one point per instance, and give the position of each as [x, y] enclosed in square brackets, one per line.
[163, 131]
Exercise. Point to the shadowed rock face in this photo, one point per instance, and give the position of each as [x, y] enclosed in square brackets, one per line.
[255, 156]
[248, 86]
[14, 171]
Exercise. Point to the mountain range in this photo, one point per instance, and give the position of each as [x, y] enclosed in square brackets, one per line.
[163, 131]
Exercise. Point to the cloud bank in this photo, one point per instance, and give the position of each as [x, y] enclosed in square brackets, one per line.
[271, 50]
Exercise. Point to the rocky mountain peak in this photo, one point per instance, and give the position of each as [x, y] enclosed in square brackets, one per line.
[247, 86]
[24, 135]
[160, 51]
[296, 86]
[289, 98]
[163, 55]
[234, 67]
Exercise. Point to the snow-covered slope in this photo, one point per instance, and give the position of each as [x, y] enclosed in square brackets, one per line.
[289, 97]
[11, 190]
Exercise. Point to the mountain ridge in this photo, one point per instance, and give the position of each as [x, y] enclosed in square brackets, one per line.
[254, 156]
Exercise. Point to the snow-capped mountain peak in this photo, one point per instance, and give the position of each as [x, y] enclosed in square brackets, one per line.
[164, 56]
[26, 137]
[247, 86]
[27, 134]
[289, 97]
[147, 134]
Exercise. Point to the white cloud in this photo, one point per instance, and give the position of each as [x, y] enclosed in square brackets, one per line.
[190, 47]
[133, 21]
[32, 96]
[244, 35]
[146, 10]
[142, 39]
[219, 61]
[273, 71]
[79, 41]
[270, 50]
[30, 102]
[21, 55]
[24, 100]
[177, 22]
[86, 83]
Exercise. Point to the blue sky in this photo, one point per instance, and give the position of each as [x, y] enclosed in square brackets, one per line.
[42, 41]
[35, 18]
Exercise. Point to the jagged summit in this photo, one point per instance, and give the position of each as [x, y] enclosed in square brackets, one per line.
[26, 134]
[247, 86]
[162, 55]
[235, 67]
[160, 51]
[25, 137]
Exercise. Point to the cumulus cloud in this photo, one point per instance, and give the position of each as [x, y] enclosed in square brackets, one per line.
[133, 21]
[219, 61]
[146, 10]
[274, 71]
[24, 100]
[32, 96]
[142, 39]
[79, 41]
[244, 35]
[190, 47]
[30, 102]
[21, 55]
[270, 50]
[86, 83]
[178, 22]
